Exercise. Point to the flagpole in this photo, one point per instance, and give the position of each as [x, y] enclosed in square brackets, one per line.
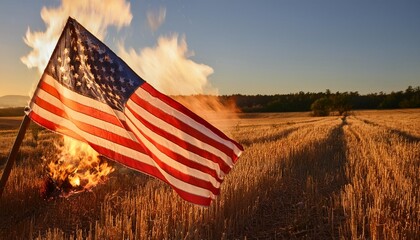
[13, 153]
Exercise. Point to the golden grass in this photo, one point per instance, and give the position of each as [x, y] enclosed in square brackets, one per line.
[299, 177]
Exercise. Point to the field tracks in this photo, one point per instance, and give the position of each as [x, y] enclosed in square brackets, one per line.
[299, 177]
[403, 134]
[304, 202]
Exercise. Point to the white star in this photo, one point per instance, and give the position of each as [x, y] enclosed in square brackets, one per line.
[112, 70]
[79, 83]
[72, 67]
[103, 69]
[59, 59]
[62, 69]
[53, 68]
[112, 79]
[122, 79]
[115, 88]
[66, 50]
[131, 82]
[120, 68]
[76, 75]
[101, 60]
[123, 90]
[68, 59]
[101, 51]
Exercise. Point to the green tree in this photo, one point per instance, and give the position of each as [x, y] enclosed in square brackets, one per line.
[341, 103]
[321, 107]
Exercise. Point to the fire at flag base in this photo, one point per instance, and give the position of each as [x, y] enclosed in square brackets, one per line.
[78, 168]
[87, 92]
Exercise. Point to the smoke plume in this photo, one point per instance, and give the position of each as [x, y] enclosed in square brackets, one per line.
[156, 18]
[95, 15]
[168, 68]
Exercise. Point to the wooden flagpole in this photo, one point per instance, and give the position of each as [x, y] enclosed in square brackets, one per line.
[13, 153]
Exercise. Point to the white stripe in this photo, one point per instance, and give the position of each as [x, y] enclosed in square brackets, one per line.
[143, 94]
[125, 151]
[104, 125]
[178, 133]
[167, 160]
[67, 93]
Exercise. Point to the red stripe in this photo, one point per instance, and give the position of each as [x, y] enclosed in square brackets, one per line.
[150, 170]
[186, 111]
[170, 119]
[188, 146]
[175, 172]
[54, 127]
[127, 143]
[130, 162]
[77, 106]
[87, 127]
[179, 158]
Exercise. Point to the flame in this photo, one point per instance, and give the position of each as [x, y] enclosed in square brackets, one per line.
[77, 168]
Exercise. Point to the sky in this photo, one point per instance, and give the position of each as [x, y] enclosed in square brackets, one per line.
[251, 47]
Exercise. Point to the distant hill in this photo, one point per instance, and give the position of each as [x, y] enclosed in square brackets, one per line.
[10, 101]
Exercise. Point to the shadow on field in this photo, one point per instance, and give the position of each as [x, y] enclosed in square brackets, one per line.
[306, 203]
[265, 139]
[408, 137]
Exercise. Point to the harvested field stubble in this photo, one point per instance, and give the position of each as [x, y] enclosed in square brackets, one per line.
[299, 177]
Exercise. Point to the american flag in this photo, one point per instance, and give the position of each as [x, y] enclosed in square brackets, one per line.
[88, 93]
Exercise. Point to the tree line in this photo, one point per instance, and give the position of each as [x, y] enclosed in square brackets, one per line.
[323, 103]
[320, 103]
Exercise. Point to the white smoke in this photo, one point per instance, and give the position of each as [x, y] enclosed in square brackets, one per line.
[168, 68]
[156, 18]
[95, 15]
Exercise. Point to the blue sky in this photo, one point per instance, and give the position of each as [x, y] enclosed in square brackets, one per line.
[257, 47]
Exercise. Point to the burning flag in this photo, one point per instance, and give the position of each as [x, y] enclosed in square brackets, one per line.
[88, 93]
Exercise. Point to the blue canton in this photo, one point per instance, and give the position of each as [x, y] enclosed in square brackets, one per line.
[85, 65]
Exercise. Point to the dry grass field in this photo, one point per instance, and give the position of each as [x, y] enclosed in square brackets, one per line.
[300, 177]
